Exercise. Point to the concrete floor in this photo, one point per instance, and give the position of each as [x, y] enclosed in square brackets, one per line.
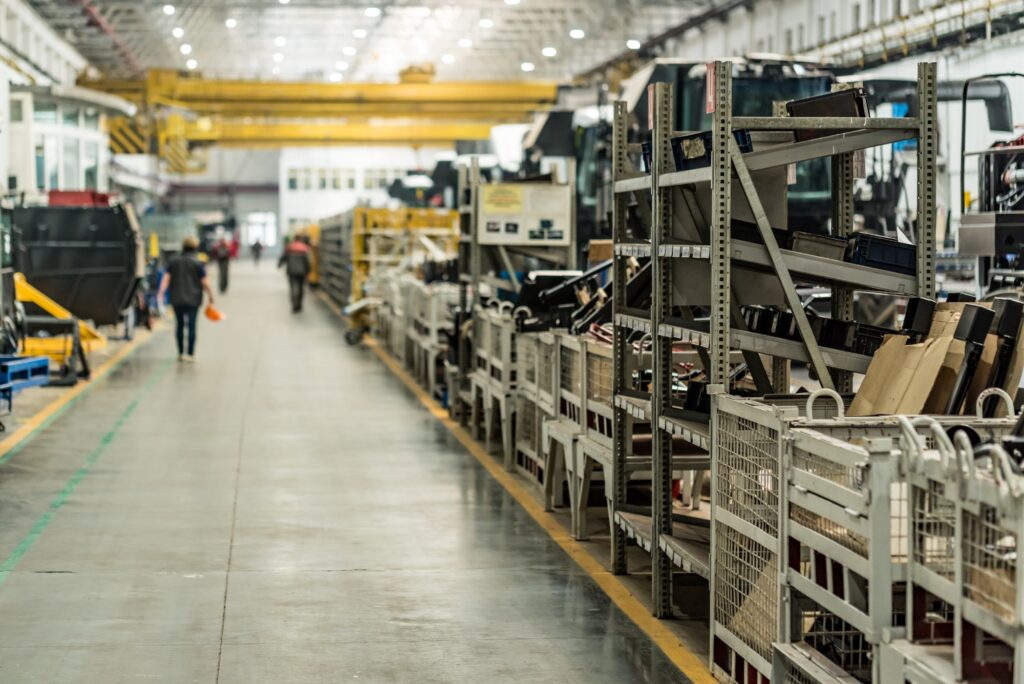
[282, 511]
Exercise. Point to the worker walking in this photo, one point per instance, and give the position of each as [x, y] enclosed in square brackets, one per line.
[221, 252]
[186, 280]
[297, 265]
[257, 251]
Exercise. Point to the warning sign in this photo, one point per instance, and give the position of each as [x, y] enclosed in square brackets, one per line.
[502, 199]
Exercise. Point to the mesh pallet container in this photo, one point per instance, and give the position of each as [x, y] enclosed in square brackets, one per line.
[527, 364]
[809, 513]
[528, 434]
[547, 378]
[570, 379]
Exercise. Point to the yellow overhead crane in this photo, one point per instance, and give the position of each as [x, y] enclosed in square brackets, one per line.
[180, 113]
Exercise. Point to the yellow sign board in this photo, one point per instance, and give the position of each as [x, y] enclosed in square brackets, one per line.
[502, 199]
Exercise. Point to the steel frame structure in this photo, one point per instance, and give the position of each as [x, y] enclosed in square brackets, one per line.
[716, 248]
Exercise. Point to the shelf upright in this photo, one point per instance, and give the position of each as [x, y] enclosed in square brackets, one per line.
[661, 305]
[469, 274]
[621, 168]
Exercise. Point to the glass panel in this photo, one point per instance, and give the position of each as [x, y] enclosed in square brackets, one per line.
[293, 179]
[69, 115]
[72, 179]
[40, 156]
[92, 118]
[322, 179]
[91, 165]
[45, 112]
[307, 179]
[51, 159]
[17, 111]
[336, 179]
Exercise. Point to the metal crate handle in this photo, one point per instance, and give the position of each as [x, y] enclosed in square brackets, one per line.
[998, 392]
[826, 392]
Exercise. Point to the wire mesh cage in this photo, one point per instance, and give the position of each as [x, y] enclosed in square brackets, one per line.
[569, 366]
[526, 357]
[990, 562]
[746, 589]
[599, 374]
[836, 639]
[933, 525]
[747, 484]
[527, 426]
[546, 366]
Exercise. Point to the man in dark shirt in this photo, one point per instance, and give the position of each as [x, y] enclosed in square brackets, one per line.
[297, 264]
[186, 279]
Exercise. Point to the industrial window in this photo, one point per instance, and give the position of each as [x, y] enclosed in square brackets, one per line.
[92, 118]
[40, 157]
[293, 179]
[336, 179]
[350, 179]
[821, 29]
[45, 112]
[70, 157]
[17, 111]
[856, 17]
[306, 179]
[832, 25]
[322, 179]
[872, 10]
[800, 39]
[69, 115]
[91, 165]
[789, 41]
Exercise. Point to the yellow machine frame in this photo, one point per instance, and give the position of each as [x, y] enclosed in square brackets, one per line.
[56, 348]
[383, 237]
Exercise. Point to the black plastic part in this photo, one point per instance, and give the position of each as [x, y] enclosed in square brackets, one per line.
[852, 102]
[959, 297]
[974, 324]
[918, 318]
[883, 253]
[1008, 315]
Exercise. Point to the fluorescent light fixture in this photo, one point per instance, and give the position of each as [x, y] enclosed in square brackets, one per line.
[527, 66]
[284, 2]
[191, 64]
[186, 49]
[511, 2]
[486, 23]
[373, 12]
[348, 51]
[168, 10]
[178, 32]
[231, 22]
[465, 43]
[549, 52]
[276, 71]
[633, 44]
[280, 41]
[278, 57]
[341, 66]
[577, 34]
[448, 59]
[359, 33]
[335, 77]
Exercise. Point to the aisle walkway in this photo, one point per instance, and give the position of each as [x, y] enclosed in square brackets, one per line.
[282, 511]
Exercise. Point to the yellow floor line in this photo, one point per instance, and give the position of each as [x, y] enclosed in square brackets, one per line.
[691, 664]
[33, 423]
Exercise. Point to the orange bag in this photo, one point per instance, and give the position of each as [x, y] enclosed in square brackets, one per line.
[214, 314]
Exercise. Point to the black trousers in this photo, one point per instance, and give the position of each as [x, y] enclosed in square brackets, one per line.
[186, 315]
[297, 287]
[222, 272]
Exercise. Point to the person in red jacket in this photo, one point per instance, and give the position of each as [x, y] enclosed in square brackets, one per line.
[297, 265]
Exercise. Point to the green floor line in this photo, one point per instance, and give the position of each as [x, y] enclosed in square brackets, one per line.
[62, 497]
[20, 446]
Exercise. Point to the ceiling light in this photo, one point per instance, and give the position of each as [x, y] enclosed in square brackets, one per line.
[486, 23]
[511, 2]
[465, 43]
[280, 41]
[335, 77]
[284, 2]
[231, 23]
[633, 44]
[178, 32]
[577, 34]
[278, 57]
[359, 33]
[549, 52]
[527, 66]
[373, 12]
[276, 70]
[448, 59]
[168, 10]
[341, 66]
[348, 51]
[186, 49]
[191, 64]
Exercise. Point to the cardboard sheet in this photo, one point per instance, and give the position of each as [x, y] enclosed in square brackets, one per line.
[901, 376]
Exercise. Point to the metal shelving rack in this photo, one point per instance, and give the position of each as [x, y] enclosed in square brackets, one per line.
[711, 249]
[460, 394]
